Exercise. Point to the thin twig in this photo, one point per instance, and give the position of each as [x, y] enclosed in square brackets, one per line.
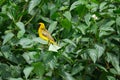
[31, 18]
[23, 11]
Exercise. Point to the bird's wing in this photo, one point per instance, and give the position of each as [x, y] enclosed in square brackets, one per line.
[47, 34]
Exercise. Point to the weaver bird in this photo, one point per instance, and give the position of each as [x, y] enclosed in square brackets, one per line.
[44, 34]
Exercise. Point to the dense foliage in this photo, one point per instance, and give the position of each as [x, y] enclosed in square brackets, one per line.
[88, 32]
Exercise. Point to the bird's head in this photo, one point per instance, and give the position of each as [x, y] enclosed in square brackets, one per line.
[42, 26]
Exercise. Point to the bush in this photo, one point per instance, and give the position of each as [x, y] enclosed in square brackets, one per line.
[88, 32]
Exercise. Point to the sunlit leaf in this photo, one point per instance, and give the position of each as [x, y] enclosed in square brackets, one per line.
[102, 6]
[87, 19]
[74, 5]
[118, 21]
[113, 71]
[100, 50]
[27, 71]
[46, 19]
[101, 67]
[67, 14]
[67, 76]
[52, 26]
[62, 8]
[111, 78]
[93, 54]
[69, 41]
[15, 79]
[26, 43]
[29, 57]
[82, 28]
[54, 48]
[21, 26]
[33, 4]
[114, 60]
[8, 37]
[106, 29]
[67, 57]
[77, 69]
[10, 16]
[39, 40]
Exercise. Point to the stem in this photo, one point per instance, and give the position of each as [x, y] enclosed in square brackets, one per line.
[30, 19]
[23, 11]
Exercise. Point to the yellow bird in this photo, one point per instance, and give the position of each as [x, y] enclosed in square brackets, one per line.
[44, 34]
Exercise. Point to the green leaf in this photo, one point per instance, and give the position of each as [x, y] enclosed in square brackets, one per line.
[67, 14]
[39, 40]
[51, 6]
[87, 19]
[94, 29]
[67, 28]
[111, 78]
[8, 37]
[1, 2]
[100, 50]
[106, 29]
[70, 42]
[53, 63]
[77, 3]
[96, 53]
[109, 57]
[115, 63]
[118, 21]
[74, 5]
[5, 49]
[32, 5]
[93, 54]
[67, 57]
[15, 79]
[67, 76]
[85, 55]
[62, 8]
[102, 6]
[21, 26]
[52, 26]
[107, 26]
[27, 71]
[82, 28]
[66, 24]
[46, 19]
[26, 0]
[54, 48]
[113, 71]
[26, 43]
[39, 68]
[29, 57]
[101, 67]
[114, 60]
[76, 69]
[10, 16]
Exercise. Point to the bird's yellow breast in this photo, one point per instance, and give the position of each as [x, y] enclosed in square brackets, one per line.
[44, 34]
[41, 35]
